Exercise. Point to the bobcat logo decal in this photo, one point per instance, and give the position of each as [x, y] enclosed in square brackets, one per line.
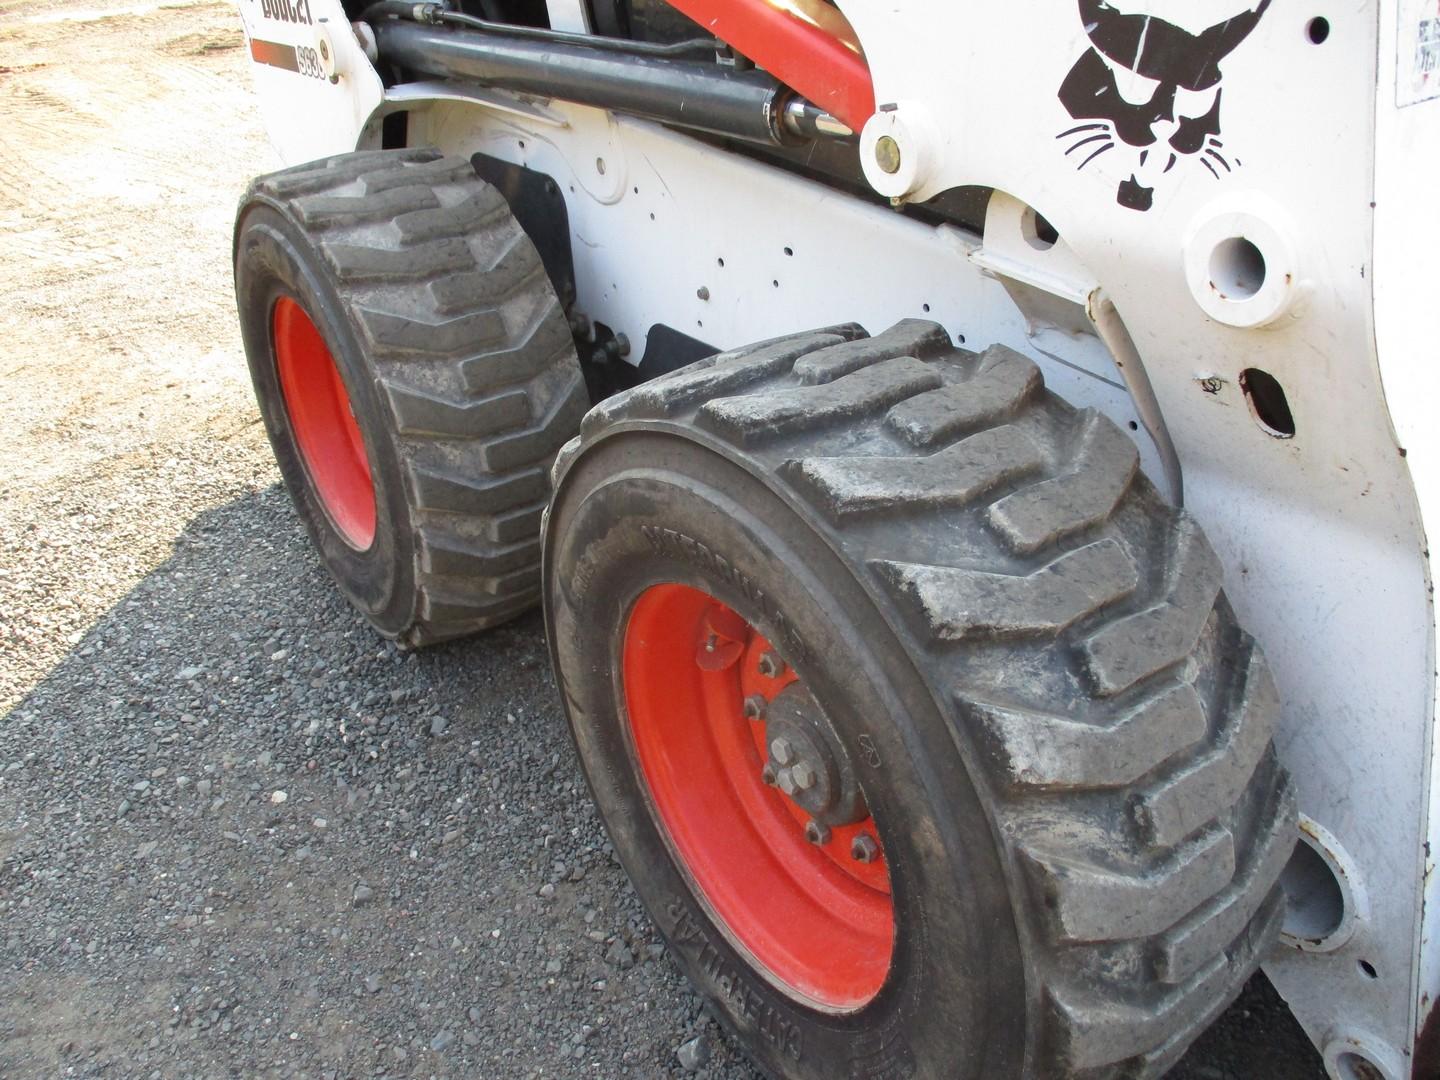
[1155, 88]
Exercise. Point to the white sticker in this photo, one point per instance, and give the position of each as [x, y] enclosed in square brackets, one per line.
[1418, 68]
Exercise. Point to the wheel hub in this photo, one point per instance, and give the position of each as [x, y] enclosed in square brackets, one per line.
[807, 762]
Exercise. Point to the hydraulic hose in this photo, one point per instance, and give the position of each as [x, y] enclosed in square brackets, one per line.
[434, 14]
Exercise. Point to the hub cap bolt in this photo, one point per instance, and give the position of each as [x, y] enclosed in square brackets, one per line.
[768, 774]
[817, 833]
[786, 779]
[782, 751]
[754, 707]
[803, 775]
[864, 849]
[771, 666]
[887, 154]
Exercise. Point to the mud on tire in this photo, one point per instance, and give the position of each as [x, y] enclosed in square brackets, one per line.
[459, 365]
[1081, 803]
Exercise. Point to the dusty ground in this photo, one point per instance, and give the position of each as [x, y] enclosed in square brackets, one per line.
[238, 834]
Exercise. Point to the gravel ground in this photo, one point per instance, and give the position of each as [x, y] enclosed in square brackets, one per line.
[239, 835]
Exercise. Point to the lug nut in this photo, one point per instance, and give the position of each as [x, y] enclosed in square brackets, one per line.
[786, 779]
[754, 707]
[768, 774]
[817, 833]
[771, 666]
[864, 849]
[803, 775]
[782, 751]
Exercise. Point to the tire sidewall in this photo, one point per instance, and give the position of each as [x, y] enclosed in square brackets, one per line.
[273, 259]
[954, 1003]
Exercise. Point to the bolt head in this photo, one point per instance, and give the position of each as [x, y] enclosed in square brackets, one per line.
[770, 665]
[887, 154]
[803, 775]
[754, 707]
[817, 833]
[786, 779]
[782, 751]
[864, 849]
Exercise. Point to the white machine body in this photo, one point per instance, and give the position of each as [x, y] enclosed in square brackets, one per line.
[1295, 240]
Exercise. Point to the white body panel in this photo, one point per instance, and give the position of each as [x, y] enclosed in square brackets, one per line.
[1321, 534]
[317, 107]
[1407, 233]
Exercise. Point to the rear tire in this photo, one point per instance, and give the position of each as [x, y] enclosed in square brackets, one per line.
[447, 339]
[1062, 735]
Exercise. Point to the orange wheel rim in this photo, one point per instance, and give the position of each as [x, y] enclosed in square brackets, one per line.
[818, 917]
[321, 416]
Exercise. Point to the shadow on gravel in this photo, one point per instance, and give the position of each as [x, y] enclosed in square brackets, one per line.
[241, 834]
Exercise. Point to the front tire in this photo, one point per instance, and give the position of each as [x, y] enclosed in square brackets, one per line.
[416, 376]
[1021, 654]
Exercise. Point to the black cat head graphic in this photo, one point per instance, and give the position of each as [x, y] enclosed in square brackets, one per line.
[1171, 87]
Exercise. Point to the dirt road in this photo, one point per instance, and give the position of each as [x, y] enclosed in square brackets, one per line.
[238, 834]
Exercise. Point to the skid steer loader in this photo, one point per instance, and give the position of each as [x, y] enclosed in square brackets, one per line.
[973, 460]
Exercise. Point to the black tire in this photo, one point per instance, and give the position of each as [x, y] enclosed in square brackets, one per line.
[460, 368]
[1077, 792]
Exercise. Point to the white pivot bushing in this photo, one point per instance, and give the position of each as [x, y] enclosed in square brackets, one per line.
[899, 148]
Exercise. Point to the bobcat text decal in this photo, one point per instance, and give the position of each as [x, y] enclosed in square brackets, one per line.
[1155, 88]
[291, 11]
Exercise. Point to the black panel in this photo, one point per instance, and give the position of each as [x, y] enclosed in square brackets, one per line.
[538, 205]
[666, 350]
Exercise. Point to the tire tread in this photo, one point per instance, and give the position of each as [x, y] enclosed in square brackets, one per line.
[470, 349]
[1128, 750]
